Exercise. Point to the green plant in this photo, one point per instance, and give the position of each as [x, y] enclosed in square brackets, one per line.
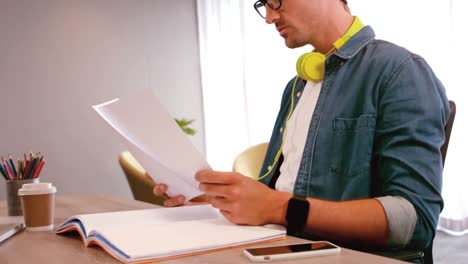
[184, 123]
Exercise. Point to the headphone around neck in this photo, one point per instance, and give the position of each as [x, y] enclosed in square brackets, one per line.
[311, 65]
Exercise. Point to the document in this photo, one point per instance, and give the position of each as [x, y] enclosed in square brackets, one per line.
[156, 141]
[162, 233]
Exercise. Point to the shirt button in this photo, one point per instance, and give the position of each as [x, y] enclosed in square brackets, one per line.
[269, 168]
[298, 94]
[281, 130]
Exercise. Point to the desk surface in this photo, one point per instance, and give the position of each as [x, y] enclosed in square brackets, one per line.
[46, 247]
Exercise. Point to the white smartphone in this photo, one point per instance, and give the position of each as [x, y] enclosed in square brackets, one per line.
[319, 248]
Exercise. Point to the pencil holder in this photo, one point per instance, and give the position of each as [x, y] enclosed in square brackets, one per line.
[13, 200]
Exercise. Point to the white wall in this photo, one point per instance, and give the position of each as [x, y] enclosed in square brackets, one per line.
[59, 57]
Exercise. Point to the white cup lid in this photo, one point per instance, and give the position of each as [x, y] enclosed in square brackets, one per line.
[37, 188]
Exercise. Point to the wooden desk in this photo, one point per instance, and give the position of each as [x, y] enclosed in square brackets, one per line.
[46, 247]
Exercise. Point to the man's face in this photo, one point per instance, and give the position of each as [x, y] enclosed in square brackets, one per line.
[299, 21]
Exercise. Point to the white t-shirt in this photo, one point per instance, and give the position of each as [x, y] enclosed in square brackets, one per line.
[296, 135]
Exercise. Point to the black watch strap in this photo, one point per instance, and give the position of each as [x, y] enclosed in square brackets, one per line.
[296, 214]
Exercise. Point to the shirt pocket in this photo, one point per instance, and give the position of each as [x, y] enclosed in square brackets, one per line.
[352, 145]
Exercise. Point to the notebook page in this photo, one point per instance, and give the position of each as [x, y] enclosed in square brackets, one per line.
[157, 216]
[170, 239]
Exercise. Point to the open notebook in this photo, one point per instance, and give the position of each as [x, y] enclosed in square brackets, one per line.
[161, 233]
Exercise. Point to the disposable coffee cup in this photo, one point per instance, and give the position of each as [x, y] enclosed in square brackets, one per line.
[38, 204]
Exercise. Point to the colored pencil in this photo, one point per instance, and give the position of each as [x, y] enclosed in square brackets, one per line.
[2, 170]
[38, 170]
[28, 167]
[12, 166]
[7, 167]
[20, 168]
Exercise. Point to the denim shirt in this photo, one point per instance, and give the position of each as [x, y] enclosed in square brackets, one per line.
[376, 131]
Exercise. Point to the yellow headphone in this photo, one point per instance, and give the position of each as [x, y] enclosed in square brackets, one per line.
[311, 66]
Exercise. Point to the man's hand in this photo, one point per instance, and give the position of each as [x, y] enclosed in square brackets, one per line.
[161, 189]
[178, 200]
[243, 200]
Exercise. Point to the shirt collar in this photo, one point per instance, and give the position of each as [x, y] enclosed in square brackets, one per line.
[356, 43]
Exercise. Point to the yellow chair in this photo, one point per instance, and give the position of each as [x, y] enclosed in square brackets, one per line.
[250, 161]
[141, 185]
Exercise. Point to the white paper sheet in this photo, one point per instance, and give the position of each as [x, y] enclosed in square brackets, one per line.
[156, 141]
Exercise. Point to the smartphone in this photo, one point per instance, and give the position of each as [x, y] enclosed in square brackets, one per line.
[319, 248]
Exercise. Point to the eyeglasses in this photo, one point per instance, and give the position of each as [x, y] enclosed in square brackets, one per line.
[260, 6]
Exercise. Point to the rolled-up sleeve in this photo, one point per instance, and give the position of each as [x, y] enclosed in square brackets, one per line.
[401, 219]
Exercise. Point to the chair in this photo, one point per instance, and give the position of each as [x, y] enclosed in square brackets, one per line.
[448, 129]
[249, 162]
[141, 185]
[428, 258]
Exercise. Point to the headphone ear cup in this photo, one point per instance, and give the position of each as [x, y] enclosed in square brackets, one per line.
[311, 66]
[299, 66]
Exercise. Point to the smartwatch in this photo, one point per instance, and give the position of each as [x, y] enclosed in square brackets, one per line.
[296, 214]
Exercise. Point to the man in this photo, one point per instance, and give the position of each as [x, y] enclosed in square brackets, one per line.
[355, 154]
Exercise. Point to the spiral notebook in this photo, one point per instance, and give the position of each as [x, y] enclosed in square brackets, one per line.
[164, 233]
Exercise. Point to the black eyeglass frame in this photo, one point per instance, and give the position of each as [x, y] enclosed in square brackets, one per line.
[266, 2]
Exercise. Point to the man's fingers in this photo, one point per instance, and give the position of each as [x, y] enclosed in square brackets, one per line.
[210, 176]
[160, 190]
[189, 203]
[227, 215]
[219, 203]
[220, 190]
[174, 201]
